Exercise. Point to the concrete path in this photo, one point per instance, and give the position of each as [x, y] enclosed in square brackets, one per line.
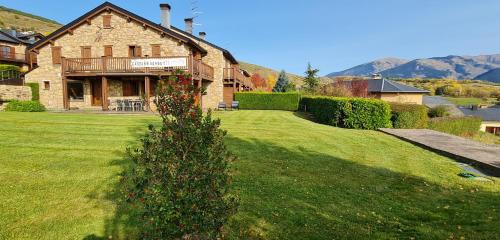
[484, 156]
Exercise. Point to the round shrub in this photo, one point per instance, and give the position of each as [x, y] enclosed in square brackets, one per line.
[25, 106]
[409, 116]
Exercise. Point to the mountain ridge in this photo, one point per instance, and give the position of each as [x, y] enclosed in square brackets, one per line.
[452, 66]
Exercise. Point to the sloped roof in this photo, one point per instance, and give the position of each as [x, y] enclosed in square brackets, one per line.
[388, 86]
[110, 6]
[487, 114]
[5, 37]
[226, 53]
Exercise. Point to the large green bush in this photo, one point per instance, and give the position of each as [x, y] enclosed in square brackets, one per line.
[180, 181]
[5, 67]
[24, 106]
[438, 111]
[268, 101]
[357, 113]
[460, 126]
[35, 91]
[409, 116]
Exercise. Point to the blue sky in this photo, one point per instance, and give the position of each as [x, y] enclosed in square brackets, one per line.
[331, 34]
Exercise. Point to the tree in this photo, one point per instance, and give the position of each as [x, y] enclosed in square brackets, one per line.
[180, 181]
[271, 81]
[283, 84]
[258, 81]
[311, 81]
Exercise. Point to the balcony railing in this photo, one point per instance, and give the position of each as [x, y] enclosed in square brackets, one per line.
[233, 74]
[12, 57]
[117, 65]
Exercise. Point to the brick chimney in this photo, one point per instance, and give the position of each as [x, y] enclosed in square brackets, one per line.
[189, 25]
[203, 35]
[165, 15]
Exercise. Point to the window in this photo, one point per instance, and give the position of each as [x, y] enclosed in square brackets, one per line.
[108, 51]
[134, 51]
[75, 90]
[130, 88]
[56, 55]
[7, 52]
[46, 85]
[106, 21]
[155, 50]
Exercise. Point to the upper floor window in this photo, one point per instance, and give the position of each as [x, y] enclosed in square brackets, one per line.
[56, 55]
[106, 21]
[134, 51]
[108, 51]
[156, 50]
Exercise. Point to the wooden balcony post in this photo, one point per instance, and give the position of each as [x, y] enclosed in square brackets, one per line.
[104, 64]
[65, 92]
[147, 91]
[105, 104]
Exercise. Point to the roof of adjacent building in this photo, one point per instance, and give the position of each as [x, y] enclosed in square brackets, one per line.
[387, 86]
[487, 114]
[226, 53]
[8, 35]
[110, 6]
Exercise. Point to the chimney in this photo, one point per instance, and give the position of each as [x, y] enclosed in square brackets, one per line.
[203, 35]
[165, 15]
[189, 25]
[376, 76]
[13, 32]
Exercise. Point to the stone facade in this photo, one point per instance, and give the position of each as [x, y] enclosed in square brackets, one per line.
[20, 93]
[120, 36]
[20, 50]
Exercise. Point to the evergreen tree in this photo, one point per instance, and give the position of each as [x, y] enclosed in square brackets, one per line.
[282, 85]
[180, 179]
[311, 81]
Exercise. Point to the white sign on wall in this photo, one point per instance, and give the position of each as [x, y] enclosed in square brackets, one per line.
[158, 62]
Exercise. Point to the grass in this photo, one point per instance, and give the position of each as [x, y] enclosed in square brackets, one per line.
[296, 180]
[465, 101]
[21, 20]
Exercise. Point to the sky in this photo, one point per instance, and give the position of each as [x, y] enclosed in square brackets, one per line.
[331, 34]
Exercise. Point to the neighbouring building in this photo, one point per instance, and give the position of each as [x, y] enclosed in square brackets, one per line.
[490, 117]
[110, 53]
[392, 91]
[13, 48]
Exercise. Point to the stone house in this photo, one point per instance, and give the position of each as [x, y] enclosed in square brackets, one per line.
[13, 46]
[111, 54]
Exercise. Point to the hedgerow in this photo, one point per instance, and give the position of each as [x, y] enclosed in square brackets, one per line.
[409, 116]
[288, 101]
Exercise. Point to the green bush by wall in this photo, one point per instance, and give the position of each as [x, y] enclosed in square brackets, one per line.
[24, 106]
[5, 67]
[409, 116]
[459, 126]
[35, 91]
[356, 113]
[268, 101]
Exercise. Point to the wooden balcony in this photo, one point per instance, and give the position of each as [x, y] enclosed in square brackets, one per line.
[134, 66]
[233, 75]
[12, 57]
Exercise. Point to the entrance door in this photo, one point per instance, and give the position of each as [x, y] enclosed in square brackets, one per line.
[228, 95]
[96, 93]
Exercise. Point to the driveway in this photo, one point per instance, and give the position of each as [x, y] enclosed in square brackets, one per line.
[485, 156]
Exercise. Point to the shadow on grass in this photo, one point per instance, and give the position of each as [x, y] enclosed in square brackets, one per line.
[301, 194]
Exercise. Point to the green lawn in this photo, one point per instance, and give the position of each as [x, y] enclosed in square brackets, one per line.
[296, 179]
[464, 101]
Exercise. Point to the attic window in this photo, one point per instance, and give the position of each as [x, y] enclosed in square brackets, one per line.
[106, 21]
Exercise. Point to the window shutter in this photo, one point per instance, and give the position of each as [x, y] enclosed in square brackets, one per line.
[86, 52]
[108, 51]
[156, 50]
[106, 21]
[138, 51]
[56, 55]
[13, 52]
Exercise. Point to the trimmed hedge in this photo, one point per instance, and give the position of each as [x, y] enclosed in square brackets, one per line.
[438, 111]
[35, 91]
[459, 126]
[268, 101]
[24, 106]
[409, 116]
[356, 113]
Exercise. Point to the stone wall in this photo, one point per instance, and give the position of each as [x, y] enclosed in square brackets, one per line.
[120, 36]
[20, 93]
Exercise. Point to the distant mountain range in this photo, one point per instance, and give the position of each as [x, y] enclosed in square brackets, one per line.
[490, 76]
[456, 67]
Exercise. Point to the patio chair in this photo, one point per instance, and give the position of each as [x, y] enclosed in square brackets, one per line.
[112, 105]
[119, 105]
[138, 106]
[222, 106]
[127, 105]
[235, 105]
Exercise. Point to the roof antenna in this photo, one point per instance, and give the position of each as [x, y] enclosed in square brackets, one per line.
[195, 12]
